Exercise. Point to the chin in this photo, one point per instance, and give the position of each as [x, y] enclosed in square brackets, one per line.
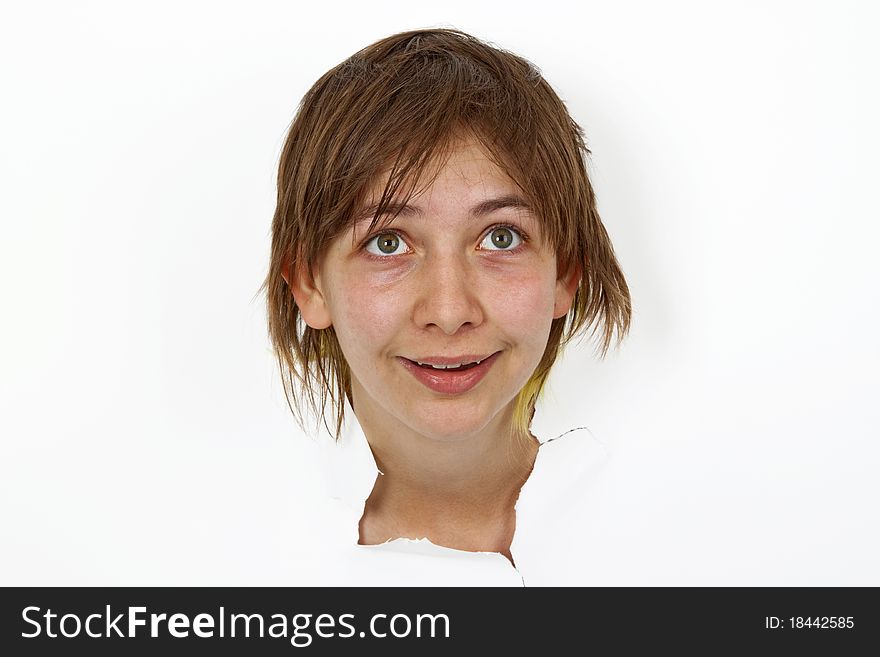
[452, 424]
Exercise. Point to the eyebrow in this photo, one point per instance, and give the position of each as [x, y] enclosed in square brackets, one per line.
[481, 209]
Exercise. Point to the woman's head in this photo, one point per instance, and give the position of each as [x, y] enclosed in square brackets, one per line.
[400, 144]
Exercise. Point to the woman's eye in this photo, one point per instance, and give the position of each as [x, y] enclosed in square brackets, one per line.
[501, 238]
[385, 244]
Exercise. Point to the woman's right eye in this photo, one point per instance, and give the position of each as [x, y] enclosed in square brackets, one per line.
[385, 244]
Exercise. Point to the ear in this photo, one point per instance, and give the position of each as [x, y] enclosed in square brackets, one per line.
[566, 286]
[308, 296]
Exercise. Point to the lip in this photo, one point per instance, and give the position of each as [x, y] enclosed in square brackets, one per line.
[450, 383]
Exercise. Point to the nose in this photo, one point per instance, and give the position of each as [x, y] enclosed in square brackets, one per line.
[449, 294]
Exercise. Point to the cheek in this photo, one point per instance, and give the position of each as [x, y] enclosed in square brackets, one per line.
[365, 316]
[370, 312]
[523, 305]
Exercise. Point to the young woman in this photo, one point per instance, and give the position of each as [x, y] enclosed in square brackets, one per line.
[435, 244]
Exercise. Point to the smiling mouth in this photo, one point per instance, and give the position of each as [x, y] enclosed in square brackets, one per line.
[460, 366]
[452, 379]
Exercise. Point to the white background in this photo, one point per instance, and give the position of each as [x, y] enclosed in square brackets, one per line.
[145, 439]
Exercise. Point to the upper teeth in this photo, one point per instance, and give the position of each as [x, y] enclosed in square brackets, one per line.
[447, 367]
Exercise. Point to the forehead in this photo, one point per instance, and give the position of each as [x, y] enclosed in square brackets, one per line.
[479, 209]
[465, 168]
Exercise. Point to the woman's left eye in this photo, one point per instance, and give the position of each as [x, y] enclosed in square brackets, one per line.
[501, 238]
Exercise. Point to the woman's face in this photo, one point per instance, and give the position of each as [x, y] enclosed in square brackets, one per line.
[460, 276]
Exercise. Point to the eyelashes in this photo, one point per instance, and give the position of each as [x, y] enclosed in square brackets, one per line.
[398, 239]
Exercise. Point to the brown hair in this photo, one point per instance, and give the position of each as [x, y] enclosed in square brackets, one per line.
[405, 99]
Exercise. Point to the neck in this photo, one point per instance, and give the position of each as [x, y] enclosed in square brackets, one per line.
[456, 493]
